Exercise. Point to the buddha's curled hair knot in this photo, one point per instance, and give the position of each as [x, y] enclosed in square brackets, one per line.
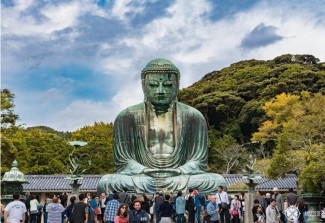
[160, 65]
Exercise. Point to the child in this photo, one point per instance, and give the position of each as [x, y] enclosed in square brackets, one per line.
[259, 217]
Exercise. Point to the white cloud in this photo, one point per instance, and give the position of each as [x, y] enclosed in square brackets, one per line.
[185, 34]
[122, 8]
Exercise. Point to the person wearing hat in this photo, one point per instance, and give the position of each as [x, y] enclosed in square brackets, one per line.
[279, 202]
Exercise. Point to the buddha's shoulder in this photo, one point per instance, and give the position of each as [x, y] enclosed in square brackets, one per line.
[189, 109]
[132, 110]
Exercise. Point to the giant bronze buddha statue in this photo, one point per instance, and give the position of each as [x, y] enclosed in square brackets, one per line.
[160, 144]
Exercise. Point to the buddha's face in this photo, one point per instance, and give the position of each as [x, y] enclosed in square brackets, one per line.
[161, 88]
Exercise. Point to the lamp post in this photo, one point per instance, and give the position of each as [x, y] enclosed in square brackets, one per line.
[250, 178]
[75, 164]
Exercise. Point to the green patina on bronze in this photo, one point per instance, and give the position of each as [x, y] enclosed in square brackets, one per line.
[160, 144]
[12, 181]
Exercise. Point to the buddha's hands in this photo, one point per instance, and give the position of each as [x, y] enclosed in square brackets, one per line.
[171, 171]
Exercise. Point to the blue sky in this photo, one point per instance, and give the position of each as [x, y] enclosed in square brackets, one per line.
[71, 63]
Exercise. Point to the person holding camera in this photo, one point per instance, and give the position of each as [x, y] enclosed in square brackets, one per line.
[223, 204]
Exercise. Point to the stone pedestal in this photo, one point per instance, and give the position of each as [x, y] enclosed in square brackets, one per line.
[249, 203]
[75, 186]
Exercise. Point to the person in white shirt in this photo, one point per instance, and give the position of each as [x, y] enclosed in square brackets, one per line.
[15, 211]
[33, 209]
[223, 203]
[55, 210]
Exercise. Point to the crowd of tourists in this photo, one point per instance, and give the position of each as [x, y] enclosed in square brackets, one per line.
[123, 207]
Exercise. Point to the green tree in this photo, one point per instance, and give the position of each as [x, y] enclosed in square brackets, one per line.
[297, 124]
[226, 156]
[8, 117]
[230, 99]
[100, 146]
[39, 152]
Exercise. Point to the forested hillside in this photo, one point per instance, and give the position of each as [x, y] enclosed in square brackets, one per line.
[231, 99]
[272, 109]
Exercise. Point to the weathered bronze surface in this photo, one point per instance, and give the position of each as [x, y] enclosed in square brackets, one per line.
[160, 144]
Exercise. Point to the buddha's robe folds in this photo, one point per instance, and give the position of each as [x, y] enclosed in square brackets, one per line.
[132, 153]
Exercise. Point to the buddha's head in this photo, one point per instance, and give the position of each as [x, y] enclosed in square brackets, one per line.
[160, 82]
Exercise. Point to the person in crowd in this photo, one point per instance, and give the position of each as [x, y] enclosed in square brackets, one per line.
[145, 203]
[272, 213]
[70, 208]
[267, 199]
[122, 214]
[54, 211]
[133, 198]
[199, 201]
[261, 200]
[242, 201]
[111, 209]
[190, 207]
[80, 210]
[303, 208]
[98, 212]
[180, 207]
[93, 209]
[166, 210]
[124, 197]
[322, 214]
[206, 217]
[33, 204]
[103, 201]
[292, 198]
[279, 202]
[159, 200]
[137, 215]
[223, 203]
[2, 207]
[47, 201]
[152, 206]
[255, 206]
[15, 211]
[64, 201]
[87, 198]
[259, 216]
[27, 204]
[235, 209]
[40, 209]
[213, 210]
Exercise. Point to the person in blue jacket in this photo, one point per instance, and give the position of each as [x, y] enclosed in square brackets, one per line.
[213, 210]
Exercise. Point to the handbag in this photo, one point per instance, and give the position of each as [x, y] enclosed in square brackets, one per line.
[151, 210]
[234, 212]
[97, 211]
[34, 212]
[206, 216]
[223, 205]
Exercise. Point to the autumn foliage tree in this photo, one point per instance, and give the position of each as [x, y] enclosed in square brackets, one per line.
[296, 123]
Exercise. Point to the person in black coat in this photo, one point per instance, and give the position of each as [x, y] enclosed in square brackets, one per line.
[166, 210]
[190, 207]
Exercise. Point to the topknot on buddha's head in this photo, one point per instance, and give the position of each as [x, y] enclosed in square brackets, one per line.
[160, 65]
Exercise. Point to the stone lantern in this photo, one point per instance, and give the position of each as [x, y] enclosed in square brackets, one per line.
[13, 181]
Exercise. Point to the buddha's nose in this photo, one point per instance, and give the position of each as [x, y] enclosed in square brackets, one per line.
[161, 89]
